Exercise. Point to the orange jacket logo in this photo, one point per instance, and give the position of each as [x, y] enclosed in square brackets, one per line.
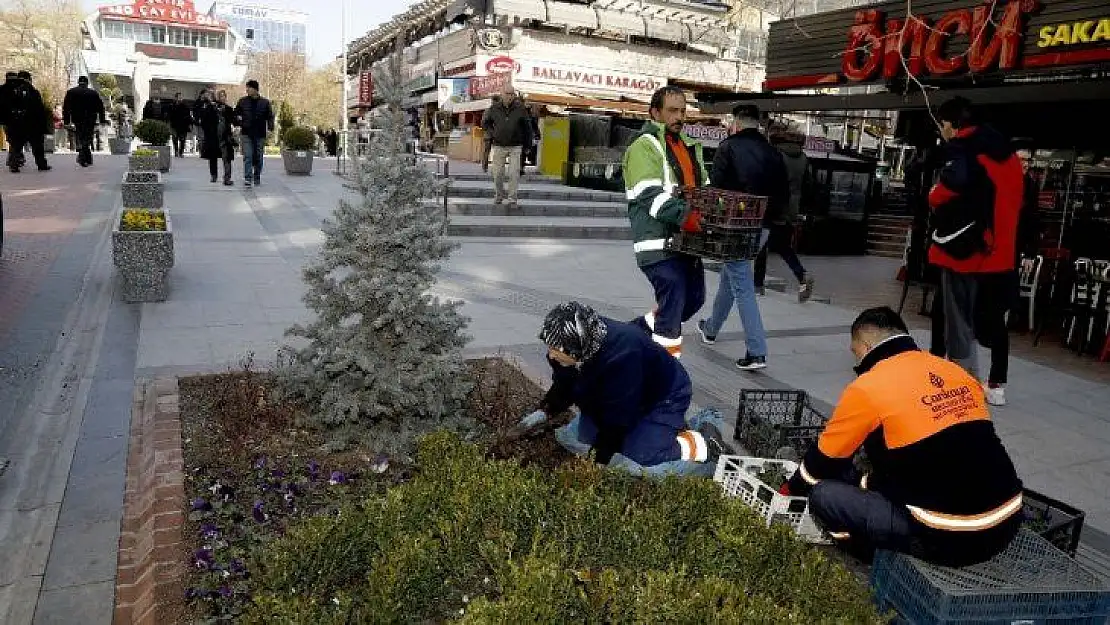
[936, 380]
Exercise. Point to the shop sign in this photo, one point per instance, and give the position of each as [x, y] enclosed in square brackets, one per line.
[485, 86]
[452, 91]
[365, 88]
[173, 11]
[490, 39]
[502, 65]
[574, 77]
[173, 53]
[956, 38]
[708, 135]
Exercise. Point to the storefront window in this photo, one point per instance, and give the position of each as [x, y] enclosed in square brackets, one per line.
[158, 34]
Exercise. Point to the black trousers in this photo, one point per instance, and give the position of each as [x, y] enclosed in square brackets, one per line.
[863, 521]
[18, 141]
[679, 284]
[179, 142]
[779, 241]
[84, 138]
[995, 295]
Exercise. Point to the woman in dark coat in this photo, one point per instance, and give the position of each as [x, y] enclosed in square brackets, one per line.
[216, 121]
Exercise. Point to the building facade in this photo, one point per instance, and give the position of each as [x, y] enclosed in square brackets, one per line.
[157, 48]
[265, 29]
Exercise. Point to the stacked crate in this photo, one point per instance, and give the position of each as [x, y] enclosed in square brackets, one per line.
[731, 224]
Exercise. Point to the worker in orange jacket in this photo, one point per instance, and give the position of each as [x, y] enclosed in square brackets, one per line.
[941, 487]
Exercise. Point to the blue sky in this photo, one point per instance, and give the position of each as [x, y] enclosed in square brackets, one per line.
[324, 22]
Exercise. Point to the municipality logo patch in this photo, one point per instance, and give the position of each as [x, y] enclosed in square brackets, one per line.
[936, 380]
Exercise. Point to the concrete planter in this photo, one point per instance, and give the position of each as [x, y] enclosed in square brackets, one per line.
[144, 260]
[50, 144]
[297, 162]
[119, 146]
[143, 189]
[143, 163]
[165, 156]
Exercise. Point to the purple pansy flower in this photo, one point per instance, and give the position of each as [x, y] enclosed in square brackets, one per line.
[225, 591]
[192, 593]
[202, 558]
[277, 474]
[237, 567]
[380, 463]
[337, 477]
[260, 463]
[209, 530]
[313, 469]
[200, 504]
[258, 513]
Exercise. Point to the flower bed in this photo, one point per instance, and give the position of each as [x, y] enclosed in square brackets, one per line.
[283, 527]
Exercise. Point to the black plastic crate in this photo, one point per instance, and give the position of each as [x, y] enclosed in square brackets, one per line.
[723, 244]
[777, 424]
[1030, 582]
[726, 209]
[1055, 521]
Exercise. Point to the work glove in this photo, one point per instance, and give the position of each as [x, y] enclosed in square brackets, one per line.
[529, 423]
[532, 420]
[693, 222]
[785, 489]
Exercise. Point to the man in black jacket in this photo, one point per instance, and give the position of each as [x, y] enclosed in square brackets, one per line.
[27, 122]
[83, 107]
[256, 119]
[181, 121]
[748, 163]
[7, 96]
[511, 130]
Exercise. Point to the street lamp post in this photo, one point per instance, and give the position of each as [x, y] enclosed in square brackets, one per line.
[343, 75]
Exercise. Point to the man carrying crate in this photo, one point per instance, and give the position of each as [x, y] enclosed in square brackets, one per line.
[632, 394]
[941, 485]
[657, 165]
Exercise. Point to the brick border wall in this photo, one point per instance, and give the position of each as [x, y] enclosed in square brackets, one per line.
[150, 572]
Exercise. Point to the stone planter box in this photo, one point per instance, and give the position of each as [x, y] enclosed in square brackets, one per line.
[297, 162]
[142, 163]
[143, 189]
[119, 146]
[165, 156]
[144, 260]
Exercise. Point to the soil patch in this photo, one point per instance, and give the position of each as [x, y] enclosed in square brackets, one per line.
[253, 466]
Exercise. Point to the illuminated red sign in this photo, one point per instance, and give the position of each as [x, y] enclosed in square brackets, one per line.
[483, 86]
[501, 65]
[366, 88]
[889, 47]
[175, 53]
[172, 11]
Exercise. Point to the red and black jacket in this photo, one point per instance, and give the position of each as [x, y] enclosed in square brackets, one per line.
[976, 204]
[924, 424]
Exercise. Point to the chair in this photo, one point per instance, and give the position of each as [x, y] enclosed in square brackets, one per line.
[1069, 302]
[1029, 278]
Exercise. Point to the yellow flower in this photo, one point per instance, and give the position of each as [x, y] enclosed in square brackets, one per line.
[143, 220]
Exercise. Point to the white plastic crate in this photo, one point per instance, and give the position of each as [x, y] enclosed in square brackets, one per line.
[737, 476]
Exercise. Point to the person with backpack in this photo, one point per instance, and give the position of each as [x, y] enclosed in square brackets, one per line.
[975, 208]
[782, 227]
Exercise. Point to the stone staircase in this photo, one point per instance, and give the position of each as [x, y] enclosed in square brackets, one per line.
[546, 209]
[886, 235]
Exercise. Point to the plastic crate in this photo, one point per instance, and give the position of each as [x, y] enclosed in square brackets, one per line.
[1031, 582]
[738, 477]
[1055, 521]
[719, 243]
[726, 209]
[777, 424]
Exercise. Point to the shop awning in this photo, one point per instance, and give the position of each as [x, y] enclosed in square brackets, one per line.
[520, 9]
[667, 30]
[572, 15]
[621, 22]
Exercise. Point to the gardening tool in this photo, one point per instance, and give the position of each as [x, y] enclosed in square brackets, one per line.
[528, 426]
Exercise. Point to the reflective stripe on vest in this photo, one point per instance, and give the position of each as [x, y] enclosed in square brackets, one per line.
[650, 245]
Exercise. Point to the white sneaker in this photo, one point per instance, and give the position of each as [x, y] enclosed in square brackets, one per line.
[995, 396]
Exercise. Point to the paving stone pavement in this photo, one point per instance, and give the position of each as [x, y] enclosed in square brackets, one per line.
[236, 287]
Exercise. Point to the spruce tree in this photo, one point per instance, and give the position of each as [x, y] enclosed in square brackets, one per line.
[383, 358]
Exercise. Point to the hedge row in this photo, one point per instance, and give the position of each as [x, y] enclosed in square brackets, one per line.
[483, 541]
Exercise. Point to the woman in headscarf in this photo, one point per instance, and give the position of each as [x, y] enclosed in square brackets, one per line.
[217, 119]
[632, 394]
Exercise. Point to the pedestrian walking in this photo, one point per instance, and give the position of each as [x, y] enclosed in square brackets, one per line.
[781, 236]
[82, 108]
[511, 130]
[205, 97]
[487, 128]
[657, 165]
[7, 103]
[217, 120]
[748, 163]
[255, 117]
[181, 121]
[975, 211]
[28, 122]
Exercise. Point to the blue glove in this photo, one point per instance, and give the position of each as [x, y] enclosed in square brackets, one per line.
[534, 419]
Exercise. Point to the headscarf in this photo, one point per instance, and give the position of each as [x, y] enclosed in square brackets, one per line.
[574, 329]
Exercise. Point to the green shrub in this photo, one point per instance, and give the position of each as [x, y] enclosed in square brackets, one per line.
[483, 541]
[153, 131]
[299, 138]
